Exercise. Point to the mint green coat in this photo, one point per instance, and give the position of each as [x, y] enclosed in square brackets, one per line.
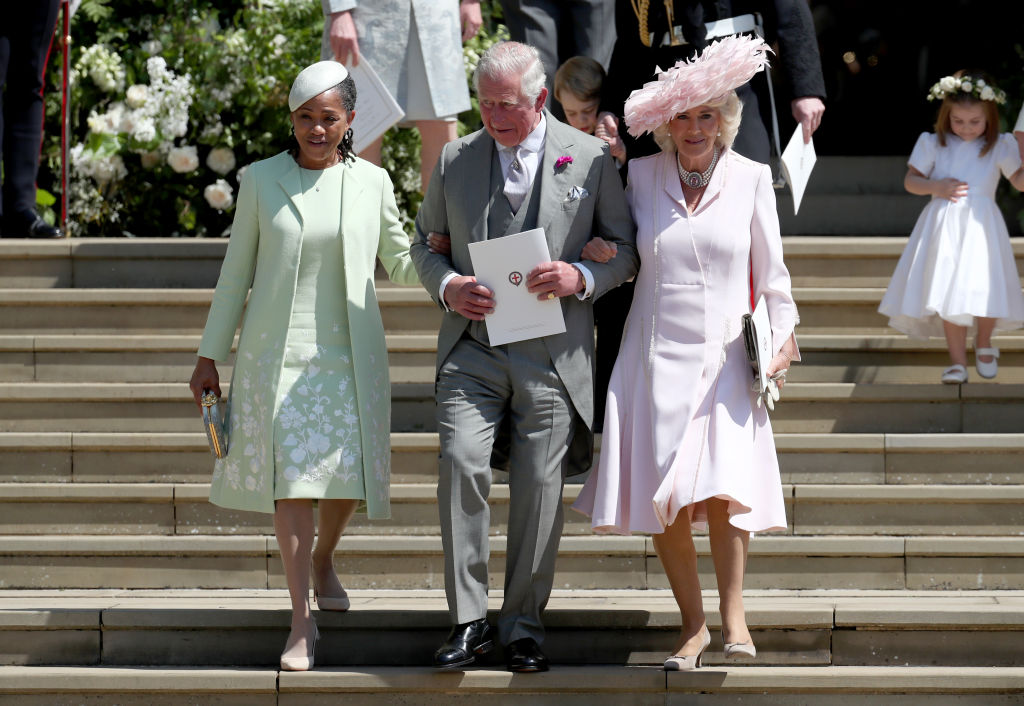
[266, 239]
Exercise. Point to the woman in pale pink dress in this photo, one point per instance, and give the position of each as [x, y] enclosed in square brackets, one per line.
[686, 441]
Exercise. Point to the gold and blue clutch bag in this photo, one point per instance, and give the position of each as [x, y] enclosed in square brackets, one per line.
[213, 424]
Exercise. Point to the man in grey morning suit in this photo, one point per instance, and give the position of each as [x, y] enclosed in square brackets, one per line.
[523, 170]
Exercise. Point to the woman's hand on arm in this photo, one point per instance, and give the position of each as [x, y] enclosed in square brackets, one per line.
[598, 249]
[344, 41]
[204, 377]
[439, 243]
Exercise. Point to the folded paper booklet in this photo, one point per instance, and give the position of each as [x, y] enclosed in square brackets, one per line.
[797, 162]
[376, 108]
[757, 338]
[502, 265]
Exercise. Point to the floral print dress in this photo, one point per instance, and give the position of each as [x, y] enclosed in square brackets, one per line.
[317, 450]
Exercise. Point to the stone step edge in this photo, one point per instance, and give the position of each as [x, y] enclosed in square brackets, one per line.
[851, 392]
[585, 545]
[427, 343]
[426, 493]
[561, 679]
[170, 343]
[785, 442]
[991, 613]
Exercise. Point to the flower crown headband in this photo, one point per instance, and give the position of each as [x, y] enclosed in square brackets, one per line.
[948, 86]
[721, 67]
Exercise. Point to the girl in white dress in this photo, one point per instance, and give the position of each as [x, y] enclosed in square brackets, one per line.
[957, 271]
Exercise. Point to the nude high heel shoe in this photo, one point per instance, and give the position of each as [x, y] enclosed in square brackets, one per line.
[305, 662]
[738, 650]
[686, 663]
[336, 603]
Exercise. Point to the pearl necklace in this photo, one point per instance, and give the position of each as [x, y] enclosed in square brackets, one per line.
[697, 180]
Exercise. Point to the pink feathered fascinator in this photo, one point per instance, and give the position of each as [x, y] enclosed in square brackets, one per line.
[720, 68]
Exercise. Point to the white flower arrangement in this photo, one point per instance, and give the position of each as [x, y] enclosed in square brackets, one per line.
[219, 195]
[953, 85]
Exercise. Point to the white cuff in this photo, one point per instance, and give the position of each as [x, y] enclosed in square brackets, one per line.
[444, 283]
[1019, 127]
[588, 281]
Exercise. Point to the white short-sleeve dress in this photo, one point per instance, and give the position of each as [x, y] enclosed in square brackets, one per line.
[958, 263]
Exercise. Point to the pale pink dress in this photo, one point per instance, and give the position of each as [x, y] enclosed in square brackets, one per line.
[681, 425]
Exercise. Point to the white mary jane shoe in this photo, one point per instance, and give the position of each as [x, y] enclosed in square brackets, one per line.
[987, 370]
[954, 375]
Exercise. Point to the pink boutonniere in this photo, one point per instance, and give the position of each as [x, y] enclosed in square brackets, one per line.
[562, 162]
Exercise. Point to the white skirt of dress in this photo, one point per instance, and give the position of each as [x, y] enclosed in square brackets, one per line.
[958, 265]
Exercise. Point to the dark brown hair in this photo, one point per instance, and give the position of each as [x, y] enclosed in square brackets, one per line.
[942, 124]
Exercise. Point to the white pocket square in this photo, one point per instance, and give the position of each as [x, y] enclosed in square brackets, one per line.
[576, 193]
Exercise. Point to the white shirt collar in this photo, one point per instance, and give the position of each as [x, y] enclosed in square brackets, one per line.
[534, 142]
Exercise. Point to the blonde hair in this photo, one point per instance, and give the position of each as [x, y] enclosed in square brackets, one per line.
[730, 110]
[580, 76]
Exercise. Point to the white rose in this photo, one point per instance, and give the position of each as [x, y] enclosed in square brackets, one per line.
[104, 170]
[221, 160]
[219, 195]
[980, 83]
[240, 172]
[987, 94]
[150, 160]
[966, 86]
[948, 84]
[137, 95]
[152, 47]
[183, 159]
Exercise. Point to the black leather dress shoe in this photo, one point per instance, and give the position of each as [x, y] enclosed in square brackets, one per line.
[525, 656]
[34, 227]
[464, 644]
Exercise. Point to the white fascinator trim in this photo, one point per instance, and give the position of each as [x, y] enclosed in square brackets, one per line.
[721, 67]
[314, 80]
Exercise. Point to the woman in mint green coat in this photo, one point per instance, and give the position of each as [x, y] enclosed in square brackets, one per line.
[309, 412]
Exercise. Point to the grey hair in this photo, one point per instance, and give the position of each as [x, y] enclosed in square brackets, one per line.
[512, 59]
[730, 110]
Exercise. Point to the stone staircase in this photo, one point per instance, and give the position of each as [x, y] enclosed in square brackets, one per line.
[900, 576]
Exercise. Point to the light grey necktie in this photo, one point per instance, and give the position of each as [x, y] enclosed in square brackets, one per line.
[517, 183]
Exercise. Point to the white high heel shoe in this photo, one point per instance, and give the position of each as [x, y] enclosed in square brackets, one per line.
[305, 662]
[686, 663]
[736, 650]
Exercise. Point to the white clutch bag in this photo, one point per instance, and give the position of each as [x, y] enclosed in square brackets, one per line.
[757, 340]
